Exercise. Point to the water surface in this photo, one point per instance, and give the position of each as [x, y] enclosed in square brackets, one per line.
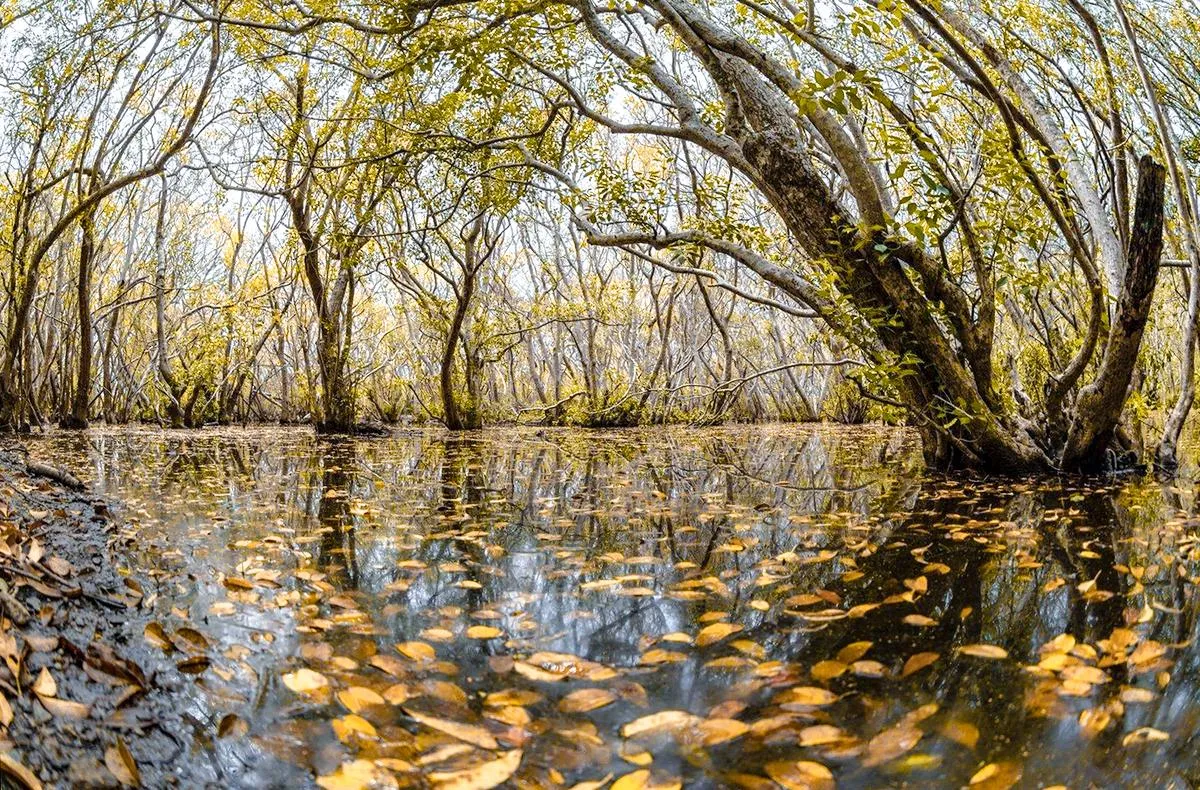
[797, 602]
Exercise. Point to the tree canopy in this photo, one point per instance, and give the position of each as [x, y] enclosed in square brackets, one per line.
[977, 218]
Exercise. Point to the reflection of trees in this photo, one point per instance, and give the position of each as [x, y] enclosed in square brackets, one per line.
[337, 553]
[530, 517]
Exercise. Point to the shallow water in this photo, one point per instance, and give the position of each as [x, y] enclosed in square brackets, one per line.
[803, 600]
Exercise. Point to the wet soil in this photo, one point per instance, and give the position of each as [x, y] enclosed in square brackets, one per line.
[112, 711]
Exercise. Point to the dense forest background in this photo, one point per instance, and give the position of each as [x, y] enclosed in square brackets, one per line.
[978, 218]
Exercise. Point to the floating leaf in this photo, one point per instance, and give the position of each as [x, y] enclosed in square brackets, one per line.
[469, 733]
[417, 651]
[663, 721]
[711, 634]
[994, 652]
[482, 777]
[716, 731]
[306, 681]
[585, 700]
[800, 775]
[918, 661]
[358, 698]
[483, 632]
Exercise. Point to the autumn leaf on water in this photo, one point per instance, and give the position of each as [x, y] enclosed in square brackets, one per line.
[1144, 735]
[918, 661]
[354, 775]
[994, 652]
[827, 670]
[807, 696]
[469, 733]
[996, 776]
[358, 698]
[482, 777]
[417, 651]
[307, 682]
[351, 726]
[717, 731]
[585, 700]
[800, 775]
[711, 634]
[483, 632]
[663, 721]
[891, 743]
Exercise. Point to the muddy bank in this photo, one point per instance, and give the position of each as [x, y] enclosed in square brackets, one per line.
[86, 703]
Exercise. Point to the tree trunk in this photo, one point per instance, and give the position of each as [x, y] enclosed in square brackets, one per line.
[1101, 402]
[77, 417]
[456, 419]
[163, 362]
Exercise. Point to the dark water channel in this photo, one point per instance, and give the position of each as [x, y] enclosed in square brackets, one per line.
[800, 604]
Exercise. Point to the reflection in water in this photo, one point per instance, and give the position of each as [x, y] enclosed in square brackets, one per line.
[1038, 633]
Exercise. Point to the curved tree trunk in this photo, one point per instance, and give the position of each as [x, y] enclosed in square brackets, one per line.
[1101, 402]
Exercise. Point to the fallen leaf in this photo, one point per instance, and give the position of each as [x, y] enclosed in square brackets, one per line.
[469, 733]
[157, 635]
[121, 764]
[305, 681]
[663, 721]
[800, 775]
[45, 686]
[984, 651]
[586, 700]
[358, 698]
[232, 726]
[10, 768]
[483, 776]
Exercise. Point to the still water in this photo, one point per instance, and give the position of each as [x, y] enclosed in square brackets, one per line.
[767, 606]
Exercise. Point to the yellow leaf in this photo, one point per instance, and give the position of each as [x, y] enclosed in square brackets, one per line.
[358, 698]
[483, 632]
[45, 686]
[585, 700]
[918, 661]
[305, 681]
[810, 696]
[634, 780]
[984, 651]
[470, 733]
[801, 775]
[121, 764]
[348, 726]
[715, 731]
[827, 670]
[417, 651]
[710, 635]
[482, 777]
[996, 776]
[853, 652]
[356, 775]
[663, 721]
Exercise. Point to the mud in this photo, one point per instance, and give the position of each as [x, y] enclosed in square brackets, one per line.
[126, 715]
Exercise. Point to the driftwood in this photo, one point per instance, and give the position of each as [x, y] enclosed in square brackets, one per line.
[54, 473]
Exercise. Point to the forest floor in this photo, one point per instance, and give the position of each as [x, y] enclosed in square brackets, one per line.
[84, 702]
